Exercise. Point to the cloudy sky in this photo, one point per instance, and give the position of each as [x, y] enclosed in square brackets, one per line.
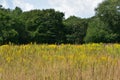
[80, 8]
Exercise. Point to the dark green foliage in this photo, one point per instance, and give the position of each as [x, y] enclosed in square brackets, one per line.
[40, 26]
[44, 26]
[98, 31]
[7, 33]
[49, 26]
[105, 26]
[109, 13]
[75, 29]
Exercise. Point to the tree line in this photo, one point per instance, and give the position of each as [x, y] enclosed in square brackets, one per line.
[50, 26]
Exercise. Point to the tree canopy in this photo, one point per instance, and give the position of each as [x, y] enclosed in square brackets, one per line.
[50, 26]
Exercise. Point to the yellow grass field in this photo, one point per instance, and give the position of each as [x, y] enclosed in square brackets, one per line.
[60, 62]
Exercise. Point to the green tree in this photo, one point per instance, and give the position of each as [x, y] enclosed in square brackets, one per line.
[18, 23]
[109, 12]
[7, 34]
[16, 12]
[44, 26]
[98, 31]
[75, 29]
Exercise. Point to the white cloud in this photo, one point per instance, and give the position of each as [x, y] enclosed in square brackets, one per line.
[4, 3]
[23, 5]
[82, 8]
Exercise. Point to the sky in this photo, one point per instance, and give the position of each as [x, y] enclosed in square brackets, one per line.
[79, 8]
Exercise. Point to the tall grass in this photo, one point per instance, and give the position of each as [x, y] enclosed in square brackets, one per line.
[60, 62]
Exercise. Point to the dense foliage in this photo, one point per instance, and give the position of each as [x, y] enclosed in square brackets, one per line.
[75, 29]
[50, 26]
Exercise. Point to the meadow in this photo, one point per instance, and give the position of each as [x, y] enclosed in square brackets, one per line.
[60, 62]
